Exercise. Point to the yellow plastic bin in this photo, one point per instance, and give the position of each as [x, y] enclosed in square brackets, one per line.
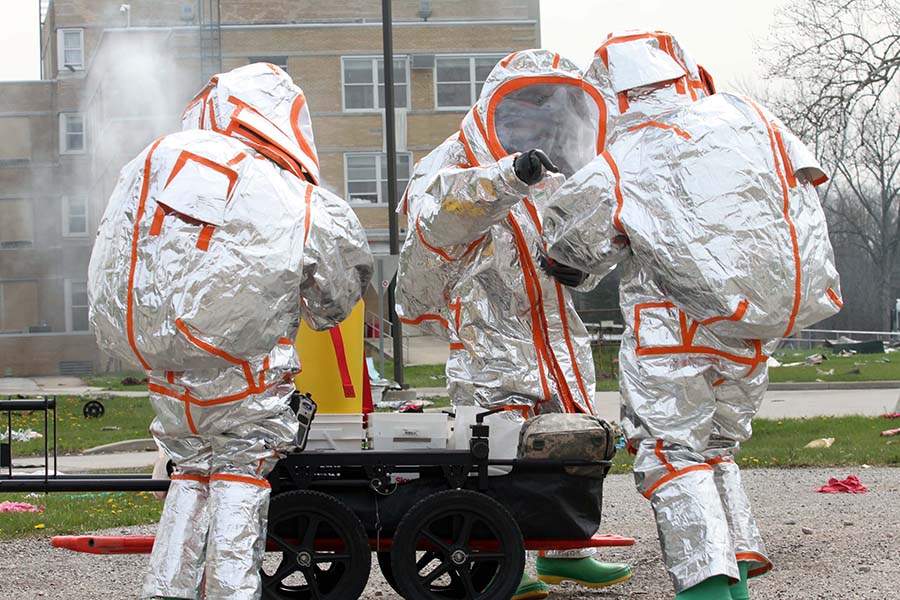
[332, 364]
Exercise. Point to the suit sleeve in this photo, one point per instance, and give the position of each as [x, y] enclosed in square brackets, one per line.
[337, 263]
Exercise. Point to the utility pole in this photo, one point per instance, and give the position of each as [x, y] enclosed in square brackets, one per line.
[390, 140]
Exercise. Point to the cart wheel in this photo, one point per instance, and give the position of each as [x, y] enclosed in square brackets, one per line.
[93, 409]
[458, 545]
[323, 547]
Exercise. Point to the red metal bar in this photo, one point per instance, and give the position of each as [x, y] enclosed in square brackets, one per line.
[143, 544]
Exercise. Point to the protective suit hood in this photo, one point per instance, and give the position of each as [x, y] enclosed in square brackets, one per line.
[261, 106]
[542, 88]
[644, 73]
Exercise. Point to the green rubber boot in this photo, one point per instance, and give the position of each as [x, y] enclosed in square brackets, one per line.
[739, 590]
[531, 589]
[714, 588]
[583, 571]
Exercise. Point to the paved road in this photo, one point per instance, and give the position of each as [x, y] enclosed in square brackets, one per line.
[798, 404]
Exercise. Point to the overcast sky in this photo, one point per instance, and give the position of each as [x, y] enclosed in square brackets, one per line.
[720, 34]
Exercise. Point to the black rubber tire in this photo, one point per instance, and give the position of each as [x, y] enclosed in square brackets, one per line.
[93, 409]
[290, 517]
[449, 522]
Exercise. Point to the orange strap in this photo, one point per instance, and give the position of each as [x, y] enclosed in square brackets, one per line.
[205, 235]
[241, 479]
[340, 354]
[158, 216]
[754, 557]
[662, 457]
[673, 475]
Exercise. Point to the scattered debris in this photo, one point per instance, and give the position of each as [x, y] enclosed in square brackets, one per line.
[815, 359]
[22, 435]
[822, 372]
[845, 353]
[133, 381]
[820, 443]
[851, 485]
[772, 362]
[891, 416]
[20, 507]
[890, 432]
[853, 372]
[396, 404]
[807, 530]
[110, 428]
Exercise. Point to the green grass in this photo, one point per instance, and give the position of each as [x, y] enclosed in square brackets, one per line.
[417, 376]
[74, 513]
[113, 381]
[780, 444]
[131, 415]
[872, 367]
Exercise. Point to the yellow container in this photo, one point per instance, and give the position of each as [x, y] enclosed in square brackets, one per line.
[332, 364]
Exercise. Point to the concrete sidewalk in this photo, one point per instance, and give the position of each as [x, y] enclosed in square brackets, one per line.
[56, 385]
[87, 462]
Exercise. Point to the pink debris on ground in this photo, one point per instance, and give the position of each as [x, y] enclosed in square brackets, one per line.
[851, 485]
[20, 507]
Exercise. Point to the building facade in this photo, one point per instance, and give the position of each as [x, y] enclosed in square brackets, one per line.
[116, 76]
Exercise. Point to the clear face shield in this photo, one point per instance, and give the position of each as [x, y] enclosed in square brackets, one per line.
[562, 120]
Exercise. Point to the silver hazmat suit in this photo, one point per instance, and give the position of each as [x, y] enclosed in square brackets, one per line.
[215, 242]
[709, 203]
[469, 268]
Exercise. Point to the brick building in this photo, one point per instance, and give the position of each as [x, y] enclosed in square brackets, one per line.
[115, 77]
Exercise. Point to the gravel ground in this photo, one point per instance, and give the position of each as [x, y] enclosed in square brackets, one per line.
[835, 547]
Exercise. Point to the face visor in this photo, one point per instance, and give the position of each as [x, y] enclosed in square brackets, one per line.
[562, 120]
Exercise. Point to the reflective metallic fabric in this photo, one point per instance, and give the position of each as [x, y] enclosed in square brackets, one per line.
[210, 252]
[469, 269]
[708, 203]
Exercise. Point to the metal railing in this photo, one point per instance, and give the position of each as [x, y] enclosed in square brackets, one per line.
[378, 333]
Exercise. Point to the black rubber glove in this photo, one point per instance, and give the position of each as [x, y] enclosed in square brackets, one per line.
[566, 275]
[530, 166]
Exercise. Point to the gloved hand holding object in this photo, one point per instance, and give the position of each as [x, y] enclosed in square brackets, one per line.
[232, 193]
[530, 166]
[566, 275]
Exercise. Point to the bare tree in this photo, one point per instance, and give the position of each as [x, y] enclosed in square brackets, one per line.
[838, 67]
[864, 204]
[836, 54]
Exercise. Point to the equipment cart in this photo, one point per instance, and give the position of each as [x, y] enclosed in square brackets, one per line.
[441, 527]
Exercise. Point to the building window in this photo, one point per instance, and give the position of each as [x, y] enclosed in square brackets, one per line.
[18, 306]
[71, 133]
[364, 83]
[75, 216]
[76, 306]
[16, 224]
[458, 79]
[71, 49]
[365, 175]
[278, 61]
